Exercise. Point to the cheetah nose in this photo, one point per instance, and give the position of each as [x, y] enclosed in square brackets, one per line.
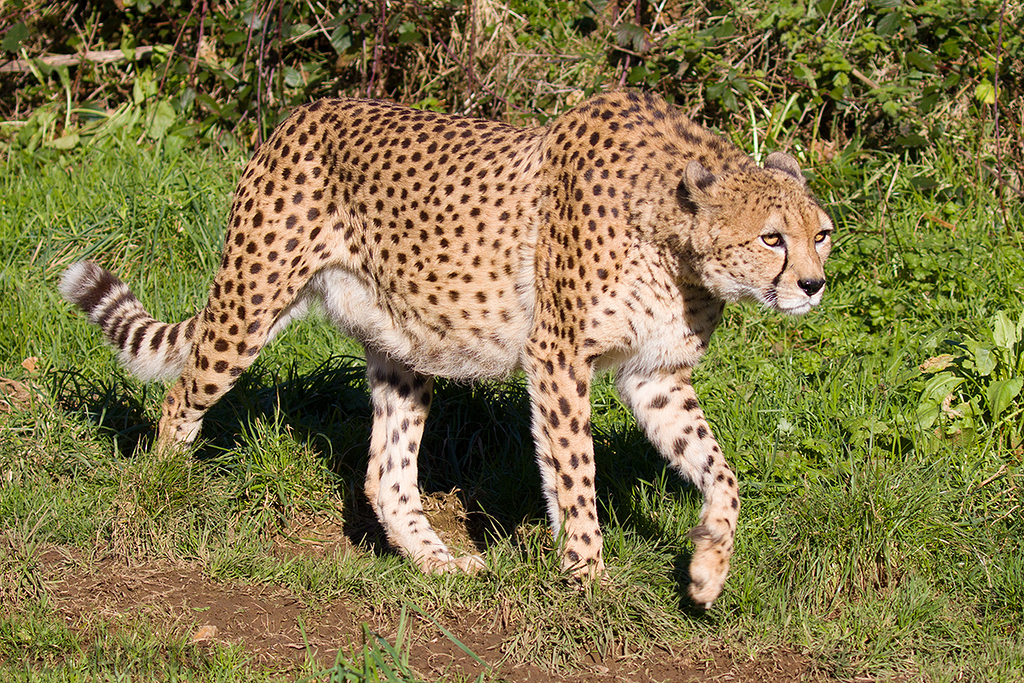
[811, 287]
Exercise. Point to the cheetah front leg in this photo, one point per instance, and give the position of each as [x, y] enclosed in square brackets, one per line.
[401, 401]
[666, 407]
[560, 398]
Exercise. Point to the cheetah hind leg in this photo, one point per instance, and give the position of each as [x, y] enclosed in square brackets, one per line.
[401, 401]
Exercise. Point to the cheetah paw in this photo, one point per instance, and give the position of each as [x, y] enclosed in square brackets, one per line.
[467, 564]
[708, 570]
[587, 572]
[709, 566]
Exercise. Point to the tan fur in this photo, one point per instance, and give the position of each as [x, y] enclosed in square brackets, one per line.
[464, 248]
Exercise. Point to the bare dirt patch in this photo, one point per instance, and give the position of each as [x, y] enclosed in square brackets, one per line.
[267, 620]
[277, 629]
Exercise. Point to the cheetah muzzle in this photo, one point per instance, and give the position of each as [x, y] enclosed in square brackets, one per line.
[463, 248]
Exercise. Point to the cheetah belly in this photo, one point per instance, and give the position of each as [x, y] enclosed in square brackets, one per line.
[464, 347]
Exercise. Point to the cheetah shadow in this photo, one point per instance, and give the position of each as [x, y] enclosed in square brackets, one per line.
[116, 406]
[624, 459]
[477, 444]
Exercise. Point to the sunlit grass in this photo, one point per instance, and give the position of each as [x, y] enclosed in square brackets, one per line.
[878, 548]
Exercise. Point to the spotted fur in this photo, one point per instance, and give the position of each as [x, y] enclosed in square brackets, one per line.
[611, 238]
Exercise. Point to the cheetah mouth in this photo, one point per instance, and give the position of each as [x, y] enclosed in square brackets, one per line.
[798, 309]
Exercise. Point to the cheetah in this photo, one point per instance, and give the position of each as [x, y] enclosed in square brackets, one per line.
[609, 239]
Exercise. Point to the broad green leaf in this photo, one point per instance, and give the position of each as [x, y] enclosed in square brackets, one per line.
[921, 61]
[802, 72]
[927, 103]
[927, 415]
[985, 93]
[1002, 393]
[407, 33]
[128, 46]
[936, 363]
[912, 140]
[14, 37]
[208, 102]
[637, 74]
[66, 142]
[234, 37]
[162, 118]
[341, 39]
[299, 30]
[633, 37]
[984, 359]
[1005, 333]
[866, 427]
[292, 77]
[889, 24]
[939, 387]
[932, 396]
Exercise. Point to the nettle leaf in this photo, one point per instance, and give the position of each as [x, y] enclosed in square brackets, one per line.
[1001, 394]
[921, 61]
[889, 24]
[634, 37]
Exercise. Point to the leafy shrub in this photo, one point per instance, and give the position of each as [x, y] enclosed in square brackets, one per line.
[899, 74]
[232, 68]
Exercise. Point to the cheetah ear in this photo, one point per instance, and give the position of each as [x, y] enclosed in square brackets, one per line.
[780, 161]
[696, 180]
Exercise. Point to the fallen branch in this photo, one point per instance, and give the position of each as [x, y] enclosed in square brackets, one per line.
[94, 56]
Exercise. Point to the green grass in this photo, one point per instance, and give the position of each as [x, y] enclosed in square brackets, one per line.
[878, 547]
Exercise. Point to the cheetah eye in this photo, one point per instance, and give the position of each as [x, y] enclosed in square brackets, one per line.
[822, 236]
[772, 239]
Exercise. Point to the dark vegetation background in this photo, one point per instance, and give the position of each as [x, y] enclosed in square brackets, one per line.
[879, 74]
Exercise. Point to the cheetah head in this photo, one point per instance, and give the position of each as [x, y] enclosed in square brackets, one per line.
[758, 234]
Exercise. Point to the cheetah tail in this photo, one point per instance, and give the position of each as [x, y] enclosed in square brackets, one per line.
[150, 349]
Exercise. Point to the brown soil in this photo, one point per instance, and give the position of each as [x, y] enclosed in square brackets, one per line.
[278, 630]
